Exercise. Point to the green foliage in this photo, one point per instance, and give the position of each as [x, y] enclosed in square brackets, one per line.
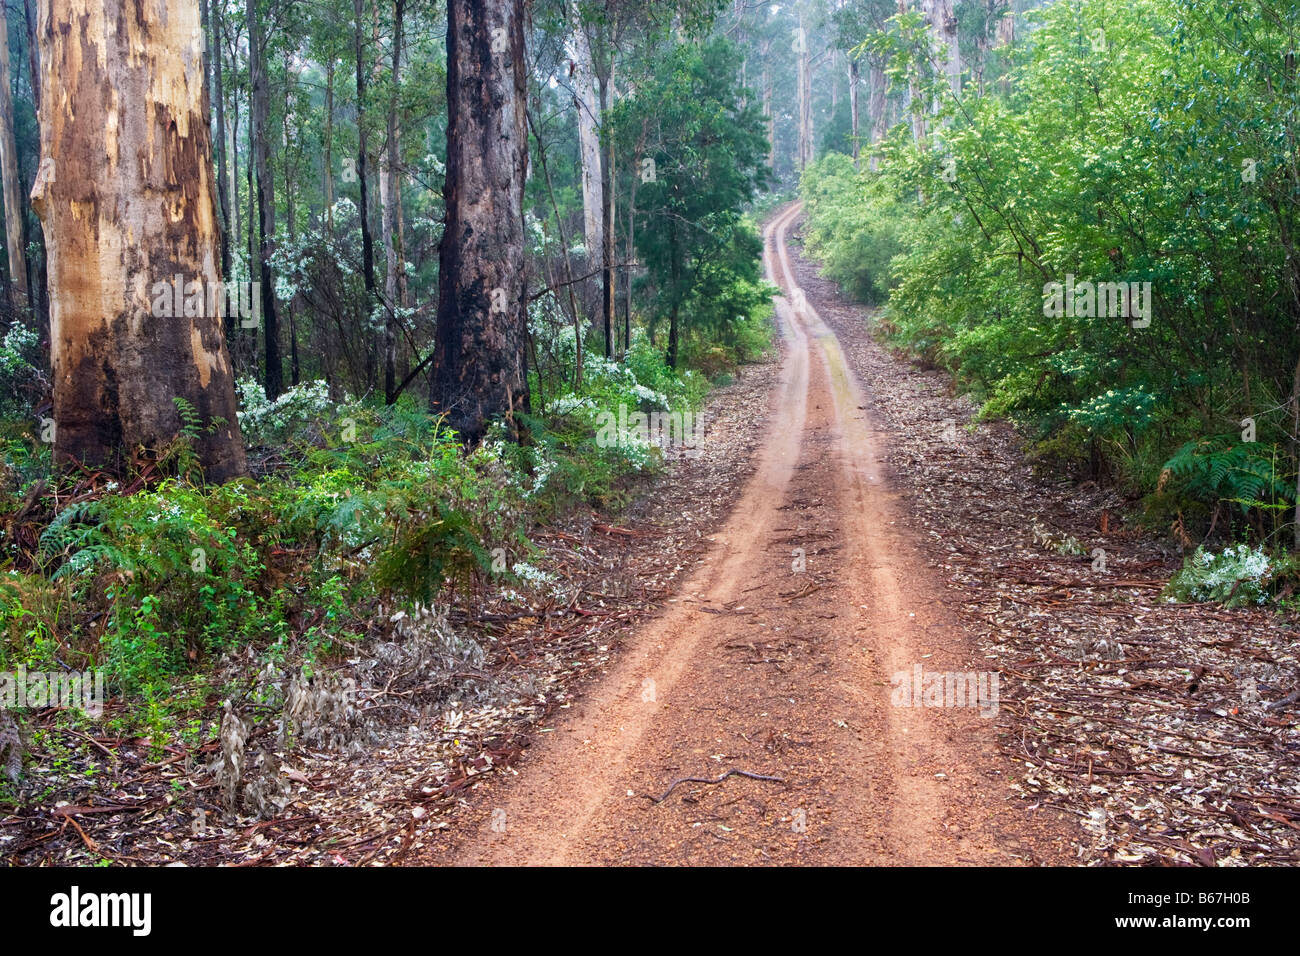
[20, 377]
[706, 141]
[172, 575]
[854, 226]
[1239, 473]
[1236, 576]
[1148, 142]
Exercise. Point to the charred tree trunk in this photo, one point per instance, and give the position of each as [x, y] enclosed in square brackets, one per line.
[223, 181]
[126, 199]
[478, 370]
[261, 109]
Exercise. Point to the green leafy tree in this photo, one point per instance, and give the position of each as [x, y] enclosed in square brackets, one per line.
[704, 158]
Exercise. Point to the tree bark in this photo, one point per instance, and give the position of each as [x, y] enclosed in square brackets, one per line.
[328, 184]
[479, 370]
[914, 98]
[804, 79]
[767, 112]
[879, 116]
[390, 197]
[943, 25]
[125, 194]
[38, 289]
[223, 190]
[363, 149]
[607, 225]
[631, 237]
[853, 109]
[9, 175]
[587, 103]
[1006, 33]
[261, 109]
[33, 47]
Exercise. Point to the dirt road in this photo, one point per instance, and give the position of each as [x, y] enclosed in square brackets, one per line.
[776, 659]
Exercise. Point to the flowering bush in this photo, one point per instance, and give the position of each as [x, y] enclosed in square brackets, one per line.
[18, 369]
[1237, 575]
[263, 421]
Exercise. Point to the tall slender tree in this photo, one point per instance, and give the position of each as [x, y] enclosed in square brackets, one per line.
[9, 174]
[363, 164]
[260, 112]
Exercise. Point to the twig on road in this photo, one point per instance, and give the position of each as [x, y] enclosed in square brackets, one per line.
[730, 773]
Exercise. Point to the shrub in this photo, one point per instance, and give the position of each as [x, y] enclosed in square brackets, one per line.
[1237, 575]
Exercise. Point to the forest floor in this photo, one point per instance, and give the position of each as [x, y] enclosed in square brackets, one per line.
[840, 526]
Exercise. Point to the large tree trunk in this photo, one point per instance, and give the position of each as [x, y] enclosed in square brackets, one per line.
[478, 371]
[943, 25]
[9, 174]
[1006, 35]
[126, 198]
[261, 110]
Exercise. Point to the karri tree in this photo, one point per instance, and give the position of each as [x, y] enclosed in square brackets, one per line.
[479, 371]
[125, 194]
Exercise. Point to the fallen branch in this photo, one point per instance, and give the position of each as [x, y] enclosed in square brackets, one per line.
[730, 773]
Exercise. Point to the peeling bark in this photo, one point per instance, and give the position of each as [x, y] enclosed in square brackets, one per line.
[125, 194]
